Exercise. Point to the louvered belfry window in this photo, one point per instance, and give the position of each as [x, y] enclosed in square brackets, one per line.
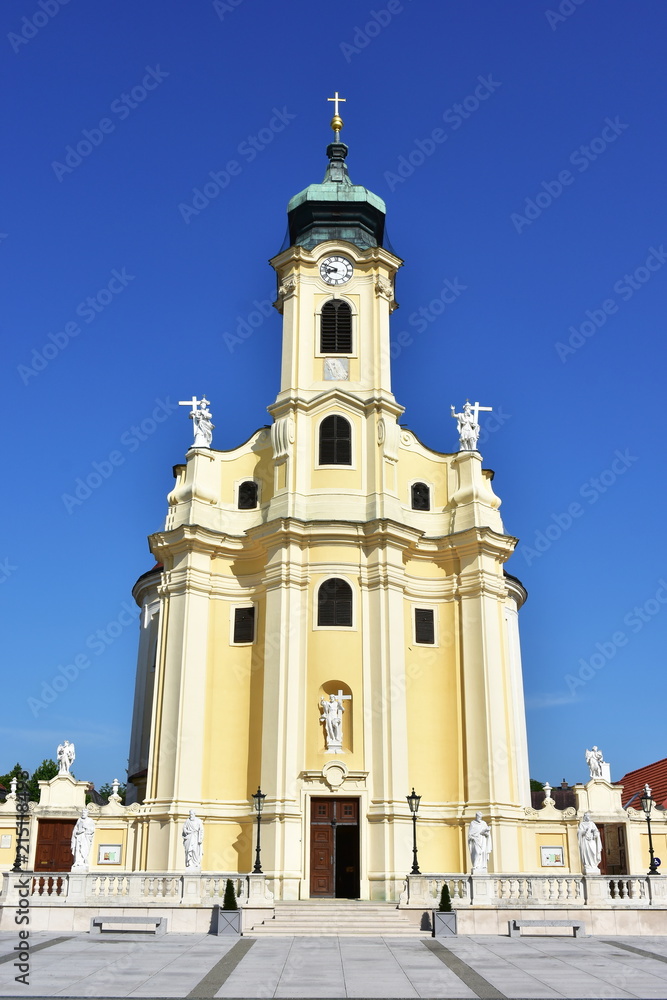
[248, 495]
[335, 441]
[334, 604]
[244, 624]
[424, 625]
[421, 497]
[336, 328]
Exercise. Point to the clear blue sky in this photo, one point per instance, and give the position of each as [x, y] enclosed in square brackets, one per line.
[541, 199]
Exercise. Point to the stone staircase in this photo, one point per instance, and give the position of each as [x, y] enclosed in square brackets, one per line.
[340, 918]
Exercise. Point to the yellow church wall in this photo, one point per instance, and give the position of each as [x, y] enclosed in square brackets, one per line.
[548, 840]
[433, 708]
[659, 848]
[440, 846]
[155, 853]
[414, 467]
[236, 568]
[339, 479]
[251, 465]
[334, 655]
[425, 570]
[8, 854]
[233, 705]
[323, 553]
[228, 847]
[112, 836]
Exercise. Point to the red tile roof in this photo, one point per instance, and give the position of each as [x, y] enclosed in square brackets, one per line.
[633, 784]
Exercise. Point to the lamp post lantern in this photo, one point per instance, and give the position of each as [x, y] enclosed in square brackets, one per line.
[413, 802]
[259, 797]
[647, 804]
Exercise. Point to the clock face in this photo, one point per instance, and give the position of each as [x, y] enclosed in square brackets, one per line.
[336, 270]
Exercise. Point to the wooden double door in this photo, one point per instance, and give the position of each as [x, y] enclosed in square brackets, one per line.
[334, 848]
[54, 850]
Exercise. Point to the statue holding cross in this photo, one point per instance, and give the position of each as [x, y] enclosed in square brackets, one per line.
[468, 425]
[203, 421]
[332, 717]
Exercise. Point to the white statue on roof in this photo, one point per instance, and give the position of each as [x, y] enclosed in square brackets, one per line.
[203, 420]
[595, 760]
[468, 425]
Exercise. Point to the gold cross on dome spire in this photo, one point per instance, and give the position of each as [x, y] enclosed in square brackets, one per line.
[336, 121]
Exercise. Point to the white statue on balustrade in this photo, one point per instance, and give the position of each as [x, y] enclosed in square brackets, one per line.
[332, 717]
[82, 841]
[193, 841]
[590, 845]
[202, 419]
[65, 755]
[480, 844]
[468, 425]
[595, 761]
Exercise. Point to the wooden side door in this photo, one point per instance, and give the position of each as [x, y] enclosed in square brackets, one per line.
[321, 848]
[53, 852]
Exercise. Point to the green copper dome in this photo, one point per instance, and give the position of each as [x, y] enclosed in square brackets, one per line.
[336, 209]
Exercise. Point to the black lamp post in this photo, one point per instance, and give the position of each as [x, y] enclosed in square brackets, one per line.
[647, 804]
[259, 797]
[413, 802]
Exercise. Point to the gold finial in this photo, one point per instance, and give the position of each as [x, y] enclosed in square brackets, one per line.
[337, 121]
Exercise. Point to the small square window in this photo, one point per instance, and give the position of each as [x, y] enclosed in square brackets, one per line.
[244, 625]
[424, 626]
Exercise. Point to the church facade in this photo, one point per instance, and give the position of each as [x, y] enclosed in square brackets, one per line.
[331, 618]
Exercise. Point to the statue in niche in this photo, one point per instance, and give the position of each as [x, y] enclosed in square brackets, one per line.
[332, 717]
[193, 840]
[65, 756]
[479, 844]
[590, 845]
[595, 760]
[82, 841]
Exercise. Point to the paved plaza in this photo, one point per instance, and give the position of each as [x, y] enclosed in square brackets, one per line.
[198, 965]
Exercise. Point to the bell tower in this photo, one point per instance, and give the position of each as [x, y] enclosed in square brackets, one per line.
[336, 294]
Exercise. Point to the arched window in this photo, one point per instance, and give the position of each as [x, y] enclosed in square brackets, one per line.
[248, 495]
[421, 496]
[336, 328]
[335, 441]
[334, 604]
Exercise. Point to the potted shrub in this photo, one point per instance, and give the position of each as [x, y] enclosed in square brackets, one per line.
[444, 918]
[227, 918]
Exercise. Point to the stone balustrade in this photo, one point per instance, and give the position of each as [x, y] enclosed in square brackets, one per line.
[132, 888]
[536, 890]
